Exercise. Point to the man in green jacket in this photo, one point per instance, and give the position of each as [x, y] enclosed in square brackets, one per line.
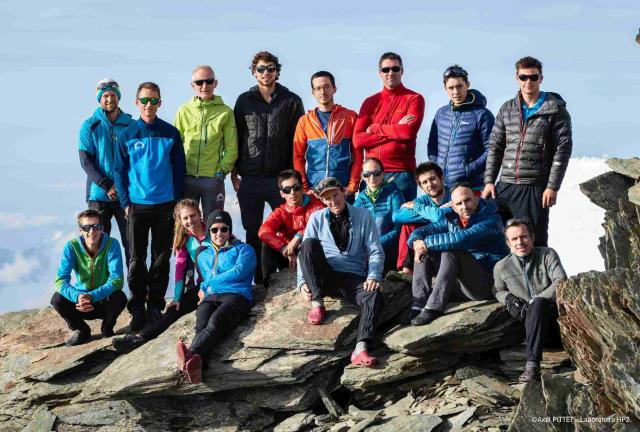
[208, 130]
[526, 281]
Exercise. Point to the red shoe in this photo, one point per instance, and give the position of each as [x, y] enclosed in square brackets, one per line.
[193, 369]
[183, 355]
[364, 359]
[316, 315]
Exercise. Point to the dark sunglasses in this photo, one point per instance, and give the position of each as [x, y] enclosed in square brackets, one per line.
[455, 71]
[532, 77]
[391, 69]
[145, 100]
[223, 229]
[270, 69]
[288, 189]
[209, 81]
[95, 227]
[111, 84]
[375, 173]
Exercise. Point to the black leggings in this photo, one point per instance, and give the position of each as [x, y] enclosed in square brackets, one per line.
[188, 304]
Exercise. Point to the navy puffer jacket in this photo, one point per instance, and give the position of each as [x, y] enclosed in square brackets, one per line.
[459, 140]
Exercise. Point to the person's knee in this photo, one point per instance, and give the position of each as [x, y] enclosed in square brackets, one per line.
[57, 300]
[308, 245]
[119, 298]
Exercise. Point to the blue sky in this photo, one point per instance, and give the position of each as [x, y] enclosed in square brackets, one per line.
[52, 54]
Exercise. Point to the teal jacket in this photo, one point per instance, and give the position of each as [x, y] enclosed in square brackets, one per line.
[388, 202]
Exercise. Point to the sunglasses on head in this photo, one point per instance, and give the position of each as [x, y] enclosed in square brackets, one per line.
[89, 227]
[455, 71]
[270, 69]
[390, 69]
[209, 81]
[375, 173]
[322, 186]
[145, 100]
[288, 189]
[110, 84]
[532, 77]
[214, 230]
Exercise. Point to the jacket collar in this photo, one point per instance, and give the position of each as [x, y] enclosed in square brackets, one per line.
[195, 101]
[123, 118]
[400, 89]
[103, 242]
[277, 92]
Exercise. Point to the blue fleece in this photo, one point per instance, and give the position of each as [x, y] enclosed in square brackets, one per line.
[150, 164]
[424, 210]
[529, 111]
[389, 201]
[97, 145]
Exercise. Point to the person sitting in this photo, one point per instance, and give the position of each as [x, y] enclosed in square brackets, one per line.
[341, 255]
[381, 199]
[428, 208]
[460, 251]
[526, 281]
[281, 233]
[97, 293]
[226, 269]
[190, 233]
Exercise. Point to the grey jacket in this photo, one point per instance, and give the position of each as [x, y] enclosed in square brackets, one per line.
[537, 275]
[536, 152]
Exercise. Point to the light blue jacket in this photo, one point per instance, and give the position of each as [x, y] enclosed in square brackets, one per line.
[424, 210]
[364, 254]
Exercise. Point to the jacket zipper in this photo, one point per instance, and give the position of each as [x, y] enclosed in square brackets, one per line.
[326, 168]
[202, 126]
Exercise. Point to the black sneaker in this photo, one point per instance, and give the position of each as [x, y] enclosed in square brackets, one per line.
[138, 319]
[425, 317]
[79, 337]
[154, 314]
[128, 343]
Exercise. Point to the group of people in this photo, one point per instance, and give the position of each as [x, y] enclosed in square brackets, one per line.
[342, 188]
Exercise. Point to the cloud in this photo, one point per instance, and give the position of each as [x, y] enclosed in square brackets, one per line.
[21, 220]
[22, 267]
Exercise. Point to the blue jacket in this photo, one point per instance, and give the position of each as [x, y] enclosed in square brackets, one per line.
[150, 164]
[483, 237]
[459, 140]
[389, 201]
[424, 210]
[99, 275]
[228, 270]
[97, 146]
[364, 255]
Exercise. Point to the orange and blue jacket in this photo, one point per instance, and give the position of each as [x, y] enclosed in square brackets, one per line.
[317, 154]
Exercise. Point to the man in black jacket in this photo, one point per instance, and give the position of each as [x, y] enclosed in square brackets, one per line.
[531, 143]
[266, 118]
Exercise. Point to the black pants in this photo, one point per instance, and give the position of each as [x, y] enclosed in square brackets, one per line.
[108, 310]
[323, 280]
[541, 325]
[113, 210]
[216, 317]
[149, 285]
[254, 192]
[526, 201]
[188, 304]
[459, 276]
[272, 261]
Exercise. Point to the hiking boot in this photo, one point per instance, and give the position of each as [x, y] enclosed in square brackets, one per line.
[399, 276]
[79, 337]
[410, 316]
[531, 372]
[138, 320]
[154, 314]
[128, 343]
[425, 317]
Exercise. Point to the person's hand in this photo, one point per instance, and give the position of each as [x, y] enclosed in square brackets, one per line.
[419, 249]
[292, 247]
[408, 204]
[200, 296]
[447, 205]
[372, 285]
[112, 193]
[516, 306]
[313, 192]
[489, 191]
[171, 304]
[305, 292]
[549, 197]
[235, 181]
[292, 261]
[84, 303]
[407, 119]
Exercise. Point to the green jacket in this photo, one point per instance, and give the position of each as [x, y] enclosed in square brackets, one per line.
[538, 275]
[208, 130]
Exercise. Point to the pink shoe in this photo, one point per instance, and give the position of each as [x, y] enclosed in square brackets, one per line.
[183, 355]
[364, 359]
[316, 315]
[193, 369]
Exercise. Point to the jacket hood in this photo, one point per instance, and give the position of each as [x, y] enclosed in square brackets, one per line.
[474, 99]
[123, 118]
[195, 101]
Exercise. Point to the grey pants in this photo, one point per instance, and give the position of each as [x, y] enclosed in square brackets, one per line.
[208, 190]
[458, 276]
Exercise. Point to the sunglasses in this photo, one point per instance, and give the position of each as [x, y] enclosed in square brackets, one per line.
[375, 173]
[270, 69]
[532, 77]
[215, 230]
[145, 100]
[95, 227]
[111, 84]
[391, 69]
[209, 81]
[455, 71]
[288, 189]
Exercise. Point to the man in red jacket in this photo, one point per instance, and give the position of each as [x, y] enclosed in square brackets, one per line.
[282, 231]
[388, 125]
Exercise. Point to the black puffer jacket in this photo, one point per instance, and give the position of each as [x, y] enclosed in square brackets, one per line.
[265, 131]
[536, 152]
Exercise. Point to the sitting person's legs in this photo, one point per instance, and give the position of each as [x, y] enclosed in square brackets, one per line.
[271, 262]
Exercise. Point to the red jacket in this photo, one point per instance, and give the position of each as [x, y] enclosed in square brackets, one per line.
[286, 221]
[394, 144]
